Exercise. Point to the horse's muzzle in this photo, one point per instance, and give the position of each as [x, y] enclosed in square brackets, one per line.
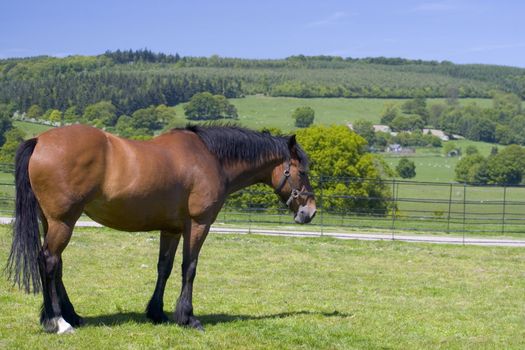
[305, 214]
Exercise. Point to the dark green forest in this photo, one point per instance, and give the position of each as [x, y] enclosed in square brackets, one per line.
[131, 80]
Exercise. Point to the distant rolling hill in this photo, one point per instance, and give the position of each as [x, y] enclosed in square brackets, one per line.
[137, 79]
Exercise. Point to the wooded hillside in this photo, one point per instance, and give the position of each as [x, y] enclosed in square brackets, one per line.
[138, 79]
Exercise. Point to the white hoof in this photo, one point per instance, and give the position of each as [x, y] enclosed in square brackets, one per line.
[63, 326]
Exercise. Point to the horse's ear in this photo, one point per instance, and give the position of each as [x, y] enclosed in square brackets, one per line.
[291, 142]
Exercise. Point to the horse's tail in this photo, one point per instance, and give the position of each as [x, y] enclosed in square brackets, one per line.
[22, 265]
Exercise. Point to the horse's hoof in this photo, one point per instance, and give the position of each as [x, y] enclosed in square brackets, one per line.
[195, 324]
[158, 318]
[64, 327]
[58, 325]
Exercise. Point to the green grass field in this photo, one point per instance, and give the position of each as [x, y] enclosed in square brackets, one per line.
[432, 165]
[31, 129]
[255, 292]
[263, 111]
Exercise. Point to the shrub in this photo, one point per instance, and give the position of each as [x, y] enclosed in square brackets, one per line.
[303, 116]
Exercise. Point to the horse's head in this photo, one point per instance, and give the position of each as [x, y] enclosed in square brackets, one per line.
[290, 181]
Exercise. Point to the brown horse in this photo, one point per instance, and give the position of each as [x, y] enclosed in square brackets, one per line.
[175, 183]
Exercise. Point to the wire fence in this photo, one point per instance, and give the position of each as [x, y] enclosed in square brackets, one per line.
[450, 208]
[399, 206]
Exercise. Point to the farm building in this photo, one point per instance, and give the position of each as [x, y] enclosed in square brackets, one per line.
[377, 128]
[438, 133]
[397, 148]
[381, 128]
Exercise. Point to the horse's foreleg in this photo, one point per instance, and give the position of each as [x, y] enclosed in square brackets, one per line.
[193, 239]
[56, 303]
[168, 246]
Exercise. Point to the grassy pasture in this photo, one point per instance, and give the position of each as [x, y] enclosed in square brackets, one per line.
[255, 292]
[432, 165]
[264, 111]
[31, 129]
[429, 167]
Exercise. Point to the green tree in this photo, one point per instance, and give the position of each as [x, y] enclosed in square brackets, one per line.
[480, 129]
[506, 105]
[336, 152]
[365, 128]
[303, 116]
[125, 127]
[517, 127]
[452, 96]
[146, 118]
[71, 115]
[34, 112]
[507, 166]
[206, 106]
[226, 109]
[13, 138]
[417, 106]
[6, 124]
[504, 134]
[435, 112]
[471, 169]
[55, 116]
[102, 113]
[406, 168]
[165, 115]
[382, 139]
[390, 112]
[407, 123]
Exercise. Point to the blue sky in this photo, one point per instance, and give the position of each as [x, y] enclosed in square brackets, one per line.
[462, 31]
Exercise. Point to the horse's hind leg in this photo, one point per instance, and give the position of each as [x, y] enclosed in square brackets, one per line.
[168, 246]
[68, 311]
[58, 314]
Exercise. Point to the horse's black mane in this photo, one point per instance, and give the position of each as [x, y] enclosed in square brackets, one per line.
[232, 143]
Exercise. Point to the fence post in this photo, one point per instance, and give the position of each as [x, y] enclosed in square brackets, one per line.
[504, 209]
[321, 204]
[464, 209]
[394, 207]
[449, 208]
[249, 221]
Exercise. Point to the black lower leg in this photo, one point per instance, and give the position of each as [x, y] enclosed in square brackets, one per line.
[194, 236]
[51, 308]
[155, 308]
[46, 313]
[184, 310]
[168, 247]
[68, 311]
